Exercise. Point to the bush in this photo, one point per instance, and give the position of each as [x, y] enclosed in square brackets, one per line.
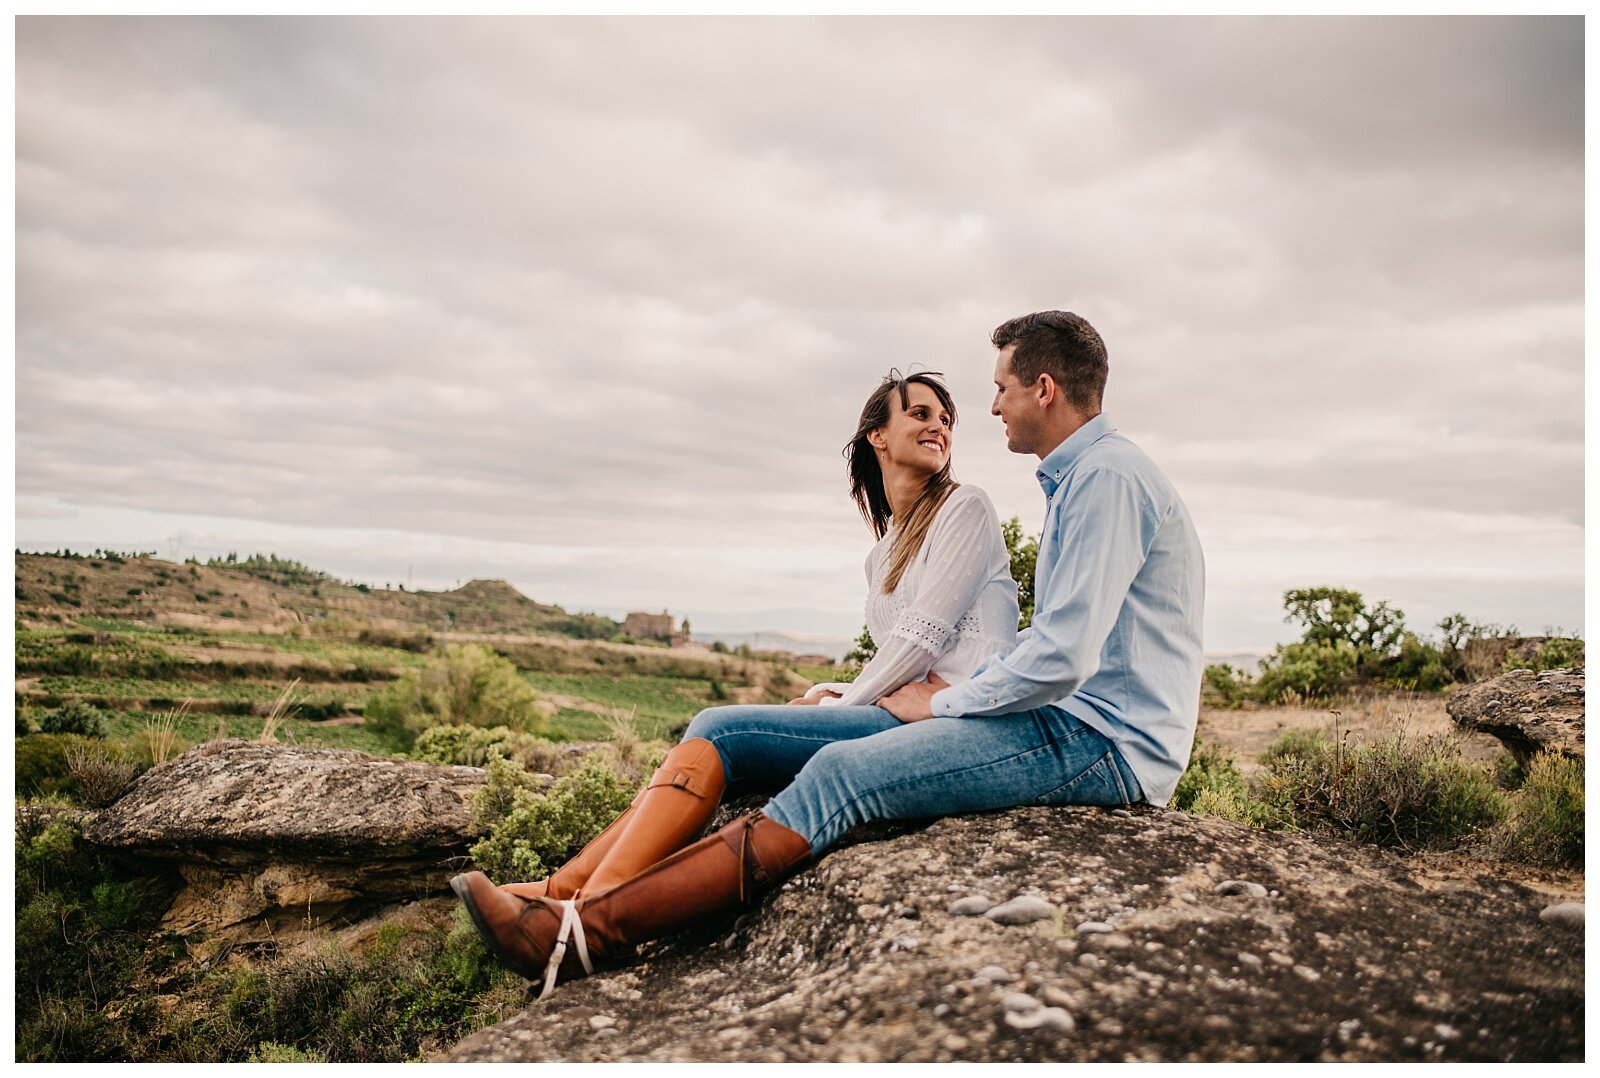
[473, 746]
[1557, 653]
[1405, 792]
[74, 717]
[1226, 687]
[273, 1052]
[101, 773]
[1545, 824]
[1307, 670]
[1211, 767]
[1294, 745]
[533, 832]
[461, 685]
[41, 762]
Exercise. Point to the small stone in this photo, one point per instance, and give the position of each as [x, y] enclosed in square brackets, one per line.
[1248, 959]
[1240, 887]
[971, 906]
[941, 1010]
[1563, 913]
[1020, 1002]
[1446, 1032]
[994, 975]
[1307, 973]
[1279, 959]
[1124, 813]
[601, 1021]
[1022, 910]
[1491, 705]
[1347, 1029]
[1189, 896]
[1044, 1018]
[1095, 928]
[1525, 710]
[609, 1031]
[1056, 997]
[955, 1042]
[1090, 960]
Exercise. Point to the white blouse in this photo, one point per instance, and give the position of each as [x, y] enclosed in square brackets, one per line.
[955, 605]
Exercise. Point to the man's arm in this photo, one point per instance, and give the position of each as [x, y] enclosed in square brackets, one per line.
[1104, 532]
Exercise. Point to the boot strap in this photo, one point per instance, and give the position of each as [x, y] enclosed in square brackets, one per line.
[571, 924]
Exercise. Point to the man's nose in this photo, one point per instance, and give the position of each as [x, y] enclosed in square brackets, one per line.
[994, 409]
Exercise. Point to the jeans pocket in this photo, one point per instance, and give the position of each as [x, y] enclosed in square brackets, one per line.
[1098, 784]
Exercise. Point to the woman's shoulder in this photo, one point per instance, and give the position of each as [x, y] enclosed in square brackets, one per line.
[970, 500]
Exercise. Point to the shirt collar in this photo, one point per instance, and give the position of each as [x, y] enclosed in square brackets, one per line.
[1058, 463]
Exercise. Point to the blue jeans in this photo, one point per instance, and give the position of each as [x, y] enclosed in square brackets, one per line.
[842, 766]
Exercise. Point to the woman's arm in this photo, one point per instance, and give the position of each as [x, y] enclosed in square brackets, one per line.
[961, 550]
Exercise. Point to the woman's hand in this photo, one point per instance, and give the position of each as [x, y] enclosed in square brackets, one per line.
[817, 699]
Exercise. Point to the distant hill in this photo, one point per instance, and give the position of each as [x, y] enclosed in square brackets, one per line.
[271, 594]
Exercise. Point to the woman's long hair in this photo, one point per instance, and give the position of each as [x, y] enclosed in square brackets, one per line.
[866, 475]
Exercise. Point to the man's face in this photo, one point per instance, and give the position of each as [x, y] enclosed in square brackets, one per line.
[1016, 404]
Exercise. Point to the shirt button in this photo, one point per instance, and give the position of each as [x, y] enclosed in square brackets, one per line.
[991, 701]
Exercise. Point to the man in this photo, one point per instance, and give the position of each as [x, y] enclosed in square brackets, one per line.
[1095, 705]
[1119, 586]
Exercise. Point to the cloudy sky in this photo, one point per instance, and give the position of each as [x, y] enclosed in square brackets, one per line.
[592, 304]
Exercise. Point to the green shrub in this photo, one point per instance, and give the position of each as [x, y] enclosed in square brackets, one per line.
[472, 746]
[74, 717]
[1211, 767]
[461, 685]
[1294, 744]
[1557, 653]
[1405, 792]
[100, 773]
[1239, 807]
[41, 762]
[1545, 824]
[1226, 687]
[272, 1052]
[1307, 671]
[532, 832]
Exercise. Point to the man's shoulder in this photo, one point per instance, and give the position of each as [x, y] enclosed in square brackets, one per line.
[1117, 455]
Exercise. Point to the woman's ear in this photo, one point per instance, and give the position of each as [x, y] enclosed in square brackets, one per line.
[876, 437]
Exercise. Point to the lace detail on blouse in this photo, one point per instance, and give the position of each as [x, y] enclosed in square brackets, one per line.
[925, 632]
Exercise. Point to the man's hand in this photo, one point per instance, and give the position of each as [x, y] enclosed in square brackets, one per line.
[817, 699]
[912, 702]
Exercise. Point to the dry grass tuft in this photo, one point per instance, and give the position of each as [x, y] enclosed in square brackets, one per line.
[281, 709]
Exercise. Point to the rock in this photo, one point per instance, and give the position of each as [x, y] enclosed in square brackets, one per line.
[273, 839]
[812, 982]
[1094, 928]
[1531, 713]
[601, 1021]
[1022, 910]
[971, 906]
[1240, 887]
[1564, 913]
[1020, 1002]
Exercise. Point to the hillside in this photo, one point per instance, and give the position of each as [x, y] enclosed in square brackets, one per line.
[270, 595]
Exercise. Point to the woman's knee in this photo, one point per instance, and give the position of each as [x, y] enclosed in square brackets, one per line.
[711, 722]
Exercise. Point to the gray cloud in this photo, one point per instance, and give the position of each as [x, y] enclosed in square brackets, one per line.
[554, 281]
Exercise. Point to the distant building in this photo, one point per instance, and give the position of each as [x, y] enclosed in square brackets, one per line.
[662, 626]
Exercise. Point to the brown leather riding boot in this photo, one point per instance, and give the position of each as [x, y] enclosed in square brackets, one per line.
[683, 793]
[544, 938]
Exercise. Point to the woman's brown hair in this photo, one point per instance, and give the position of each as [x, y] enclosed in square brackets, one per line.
[866, 475]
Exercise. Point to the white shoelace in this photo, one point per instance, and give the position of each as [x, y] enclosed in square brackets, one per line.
[570, 926]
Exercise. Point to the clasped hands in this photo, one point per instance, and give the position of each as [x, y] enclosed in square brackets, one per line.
[911, 702]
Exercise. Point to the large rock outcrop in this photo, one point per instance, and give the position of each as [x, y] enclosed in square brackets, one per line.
[1528, 712]
[273, 839]
[1159, 936]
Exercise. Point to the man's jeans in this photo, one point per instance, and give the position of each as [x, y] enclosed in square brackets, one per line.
[841, 766]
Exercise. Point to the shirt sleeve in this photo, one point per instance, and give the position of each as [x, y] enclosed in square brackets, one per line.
[961, 548]
[1104, 531]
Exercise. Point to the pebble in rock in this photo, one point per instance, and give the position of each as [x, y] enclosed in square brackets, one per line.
[1043, 1018]
[1563, 913]
[971, 906]
[1094, 928]
[601, 1021]
[1124, 813]
[609, 1031]
[994, 975]
[1024, 909]
[1020, 1002]
[1240, 887]
[1250, 960]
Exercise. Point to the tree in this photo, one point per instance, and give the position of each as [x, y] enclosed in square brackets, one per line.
[1024, 560]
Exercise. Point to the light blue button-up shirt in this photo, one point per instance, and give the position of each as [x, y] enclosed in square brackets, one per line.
[1119, 589]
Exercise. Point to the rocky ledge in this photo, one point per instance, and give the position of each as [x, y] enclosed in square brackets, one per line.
[273, 839]
[1085, 935]
[1529, 712]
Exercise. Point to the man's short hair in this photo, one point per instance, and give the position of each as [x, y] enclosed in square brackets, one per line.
[1062, 345]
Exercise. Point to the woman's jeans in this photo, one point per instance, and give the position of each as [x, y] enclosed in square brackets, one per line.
[842, 766]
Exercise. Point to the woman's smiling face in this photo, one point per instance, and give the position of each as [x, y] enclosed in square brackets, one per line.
[918, 436]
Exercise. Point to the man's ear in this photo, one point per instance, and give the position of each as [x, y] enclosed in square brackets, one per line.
[1046, 390]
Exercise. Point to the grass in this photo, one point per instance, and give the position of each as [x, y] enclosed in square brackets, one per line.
[654, 704]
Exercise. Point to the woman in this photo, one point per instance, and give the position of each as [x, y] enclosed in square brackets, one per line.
[940, 602]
